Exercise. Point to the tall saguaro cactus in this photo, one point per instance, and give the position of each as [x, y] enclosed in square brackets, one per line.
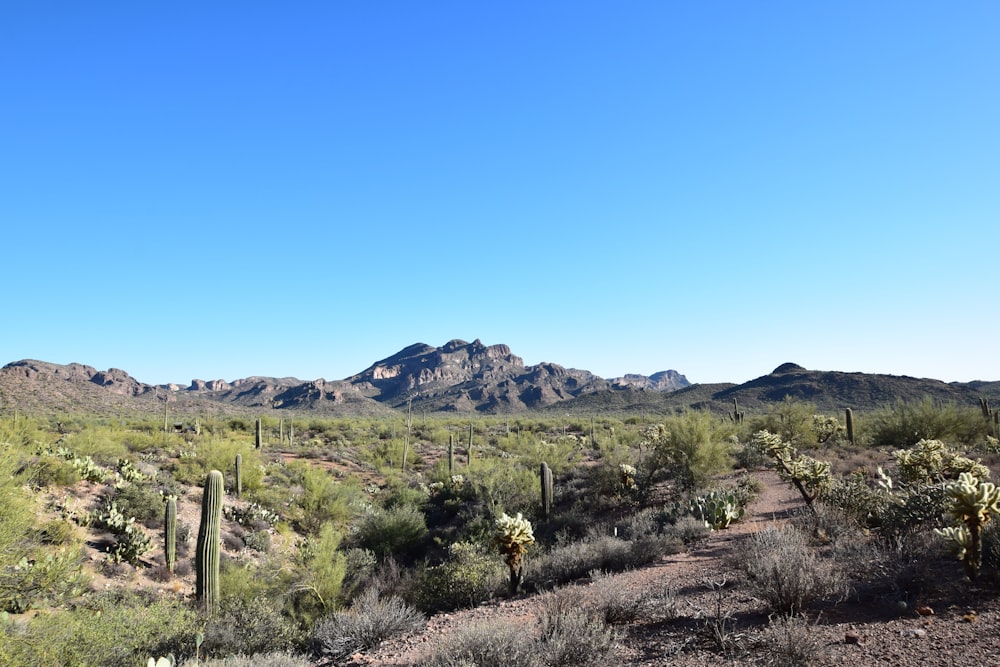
[545, 475]
[209, 539]
[849, 418]
[451, 454]
[469, 462]
[239, 475]
[170, 533]
[258, 437]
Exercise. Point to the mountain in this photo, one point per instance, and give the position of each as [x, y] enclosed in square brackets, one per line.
[459, 377]
[662, 381]
[464, 377]
[828, 391]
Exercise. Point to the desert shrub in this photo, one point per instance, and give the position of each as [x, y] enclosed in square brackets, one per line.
[572, 634]
[274, 659]
[502, 487]
[324, 499]
[472, 573]
[400, 496]
[100, 443]
[487, 644]
[248, 626]
[119, 629]
[616, 605]
[56, 532]
[48, 470]
[318, 576]
[690, 448]
[399, 532]
[142, 501]
[567, 562]
[371, 620]
[688, 529]
[360, 566]
[46, 578]
[784, 571]
[258, 540]
[792, 420]
[789, 641]
[898, 564]
[906, 423]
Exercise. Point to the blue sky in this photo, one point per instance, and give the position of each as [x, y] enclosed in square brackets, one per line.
[218, 190]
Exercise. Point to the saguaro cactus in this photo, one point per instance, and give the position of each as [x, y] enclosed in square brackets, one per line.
[849, 418]
[451, 454]
[209, 539]
[258, 436]
[170, 533]
[737, 414]
[239, 475]
[469, 462]
[545, 475]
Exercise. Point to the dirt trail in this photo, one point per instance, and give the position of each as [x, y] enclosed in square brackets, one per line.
[707, 558]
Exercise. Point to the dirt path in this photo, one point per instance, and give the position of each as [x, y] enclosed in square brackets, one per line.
[686, 570]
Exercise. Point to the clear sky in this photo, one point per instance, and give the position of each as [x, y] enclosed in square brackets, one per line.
[223, 189]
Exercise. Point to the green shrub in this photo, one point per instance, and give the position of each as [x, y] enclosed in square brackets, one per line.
[371, 620]
[906, 423]
[142, 501]
[399, 532]
[471, 574]
[690, 448]
[119, 629]
[249, 626]
[318, 576]
[324, 499]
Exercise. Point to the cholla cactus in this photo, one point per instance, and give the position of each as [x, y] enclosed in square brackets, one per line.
[931, 461]
[628, 473]
[973, 504]
[513, 537]
[811, 477]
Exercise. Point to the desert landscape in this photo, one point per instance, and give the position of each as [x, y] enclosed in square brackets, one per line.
[428, 512]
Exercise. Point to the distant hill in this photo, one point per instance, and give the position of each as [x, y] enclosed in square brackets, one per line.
[460, 377]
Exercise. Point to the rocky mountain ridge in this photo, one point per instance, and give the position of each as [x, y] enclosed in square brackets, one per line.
[458, 377]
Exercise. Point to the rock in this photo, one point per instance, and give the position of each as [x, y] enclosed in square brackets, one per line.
[913, 632]
[924, 610]
[852, 637]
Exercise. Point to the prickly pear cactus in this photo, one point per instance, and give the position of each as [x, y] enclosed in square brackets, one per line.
[717, 509]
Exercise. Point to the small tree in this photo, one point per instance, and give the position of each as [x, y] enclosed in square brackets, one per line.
[513, 536]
